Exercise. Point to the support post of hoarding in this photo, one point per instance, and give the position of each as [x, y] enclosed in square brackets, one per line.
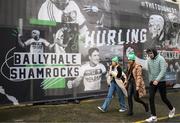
[31, 90]
[75, 95]
[20, 26]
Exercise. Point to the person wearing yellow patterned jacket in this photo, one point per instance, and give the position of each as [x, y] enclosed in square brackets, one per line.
[135, 84]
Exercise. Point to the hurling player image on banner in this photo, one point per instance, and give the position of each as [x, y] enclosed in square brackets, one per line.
[66, 39]
[90, 72]
[156, 31]
[173, 34]
[163, 32]
[66, 11]
[96, 12]
[36, 43]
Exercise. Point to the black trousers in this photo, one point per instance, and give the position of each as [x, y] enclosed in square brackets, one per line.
[162, 90]
[132, 92]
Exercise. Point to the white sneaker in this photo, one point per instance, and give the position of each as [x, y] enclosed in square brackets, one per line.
[151, 119]
[172, 113]
[101, 109]
[122, 110]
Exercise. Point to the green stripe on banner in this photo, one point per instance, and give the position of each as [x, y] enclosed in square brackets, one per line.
[42, 22]
[51, 83]
[54, 83]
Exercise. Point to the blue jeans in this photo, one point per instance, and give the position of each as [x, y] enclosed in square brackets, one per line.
[114, 87]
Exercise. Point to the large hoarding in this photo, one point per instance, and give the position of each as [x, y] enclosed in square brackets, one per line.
[61, 49]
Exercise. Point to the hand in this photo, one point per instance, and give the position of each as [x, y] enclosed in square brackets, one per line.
[70, 84]
[65, 45]
[89, 8]
[125, 82]
[155, 82]
[99, 23]
[137, 88]
[20, 35]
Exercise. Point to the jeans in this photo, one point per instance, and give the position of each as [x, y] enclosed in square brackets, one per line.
[162, 90]
[114, 88]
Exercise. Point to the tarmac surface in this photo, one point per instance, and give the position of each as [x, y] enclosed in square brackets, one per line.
[86, 111]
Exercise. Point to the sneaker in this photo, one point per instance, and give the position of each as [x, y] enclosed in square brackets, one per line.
[172, 113]
[101, 109]
[151, 119]
[122, 110]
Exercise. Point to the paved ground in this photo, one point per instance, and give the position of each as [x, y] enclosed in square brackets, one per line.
[87, 111]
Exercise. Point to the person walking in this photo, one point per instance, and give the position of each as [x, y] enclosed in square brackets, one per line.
[135, 86]
[115, 85]
[156, 69]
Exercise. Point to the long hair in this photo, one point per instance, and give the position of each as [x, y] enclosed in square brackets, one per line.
[119, 69]
[129, 72]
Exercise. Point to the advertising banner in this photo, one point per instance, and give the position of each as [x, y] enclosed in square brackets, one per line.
[62, 49]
